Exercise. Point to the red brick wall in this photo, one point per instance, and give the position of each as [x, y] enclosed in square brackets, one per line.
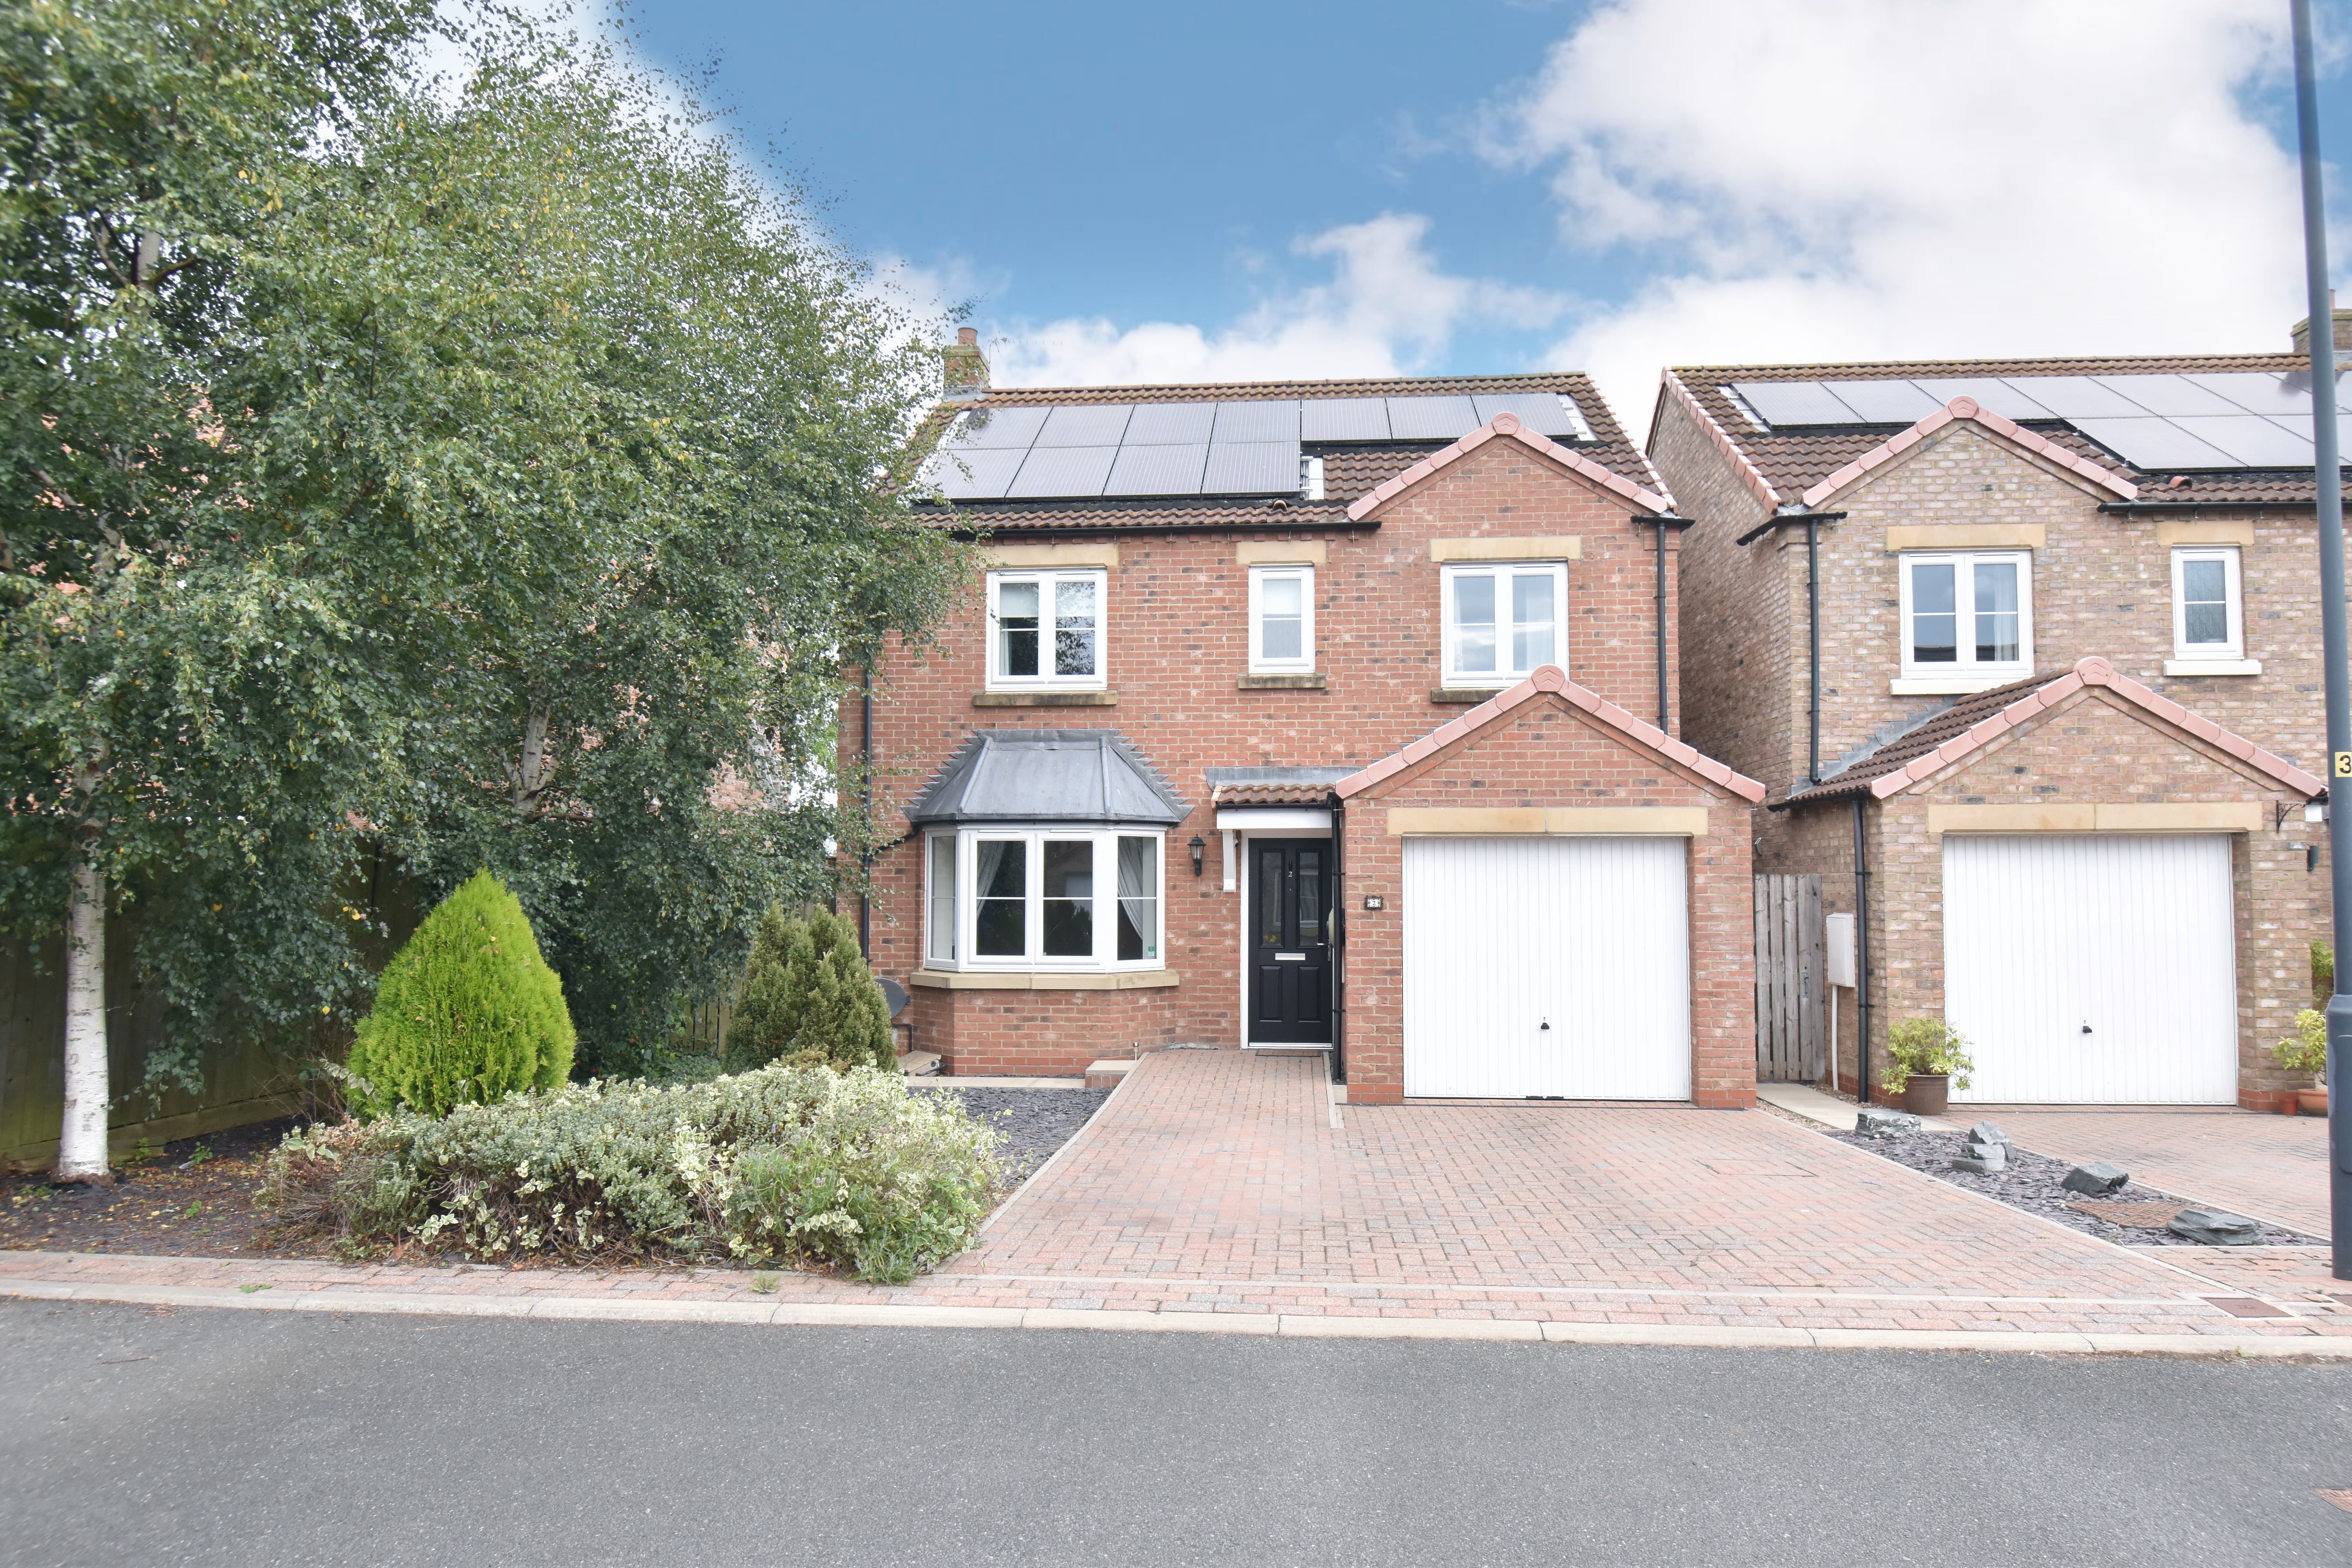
[1177, 641]
[1549, 753]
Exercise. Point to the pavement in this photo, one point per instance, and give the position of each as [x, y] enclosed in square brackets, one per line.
[1223, 1191]
[131, 1435]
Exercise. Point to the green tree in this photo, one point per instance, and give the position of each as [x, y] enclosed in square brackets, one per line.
[806, 987]
[467, 1011]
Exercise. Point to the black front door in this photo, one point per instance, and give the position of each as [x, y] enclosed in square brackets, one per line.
[1290, 941]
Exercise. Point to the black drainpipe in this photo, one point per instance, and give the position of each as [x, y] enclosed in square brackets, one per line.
[1813, 637]
[1662, 625]
[866, 833]
[1339, 916]
[1861, 960]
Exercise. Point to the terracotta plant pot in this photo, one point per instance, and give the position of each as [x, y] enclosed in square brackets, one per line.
[2313, 1101]
[1927, 1094]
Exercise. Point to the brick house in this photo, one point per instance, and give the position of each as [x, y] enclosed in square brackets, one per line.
[2038, 641]
[1317, 715]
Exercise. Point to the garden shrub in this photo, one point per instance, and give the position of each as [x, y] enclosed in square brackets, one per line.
[467, 1011]
[1928, 1047]
[807, 988]
[2306, 1050]
[2323, 975]
[787, 1163]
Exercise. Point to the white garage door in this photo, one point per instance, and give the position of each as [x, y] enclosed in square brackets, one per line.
[2093, 969]
[1503, 936]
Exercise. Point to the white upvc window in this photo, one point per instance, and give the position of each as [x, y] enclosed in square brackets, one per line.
[1968, 616]
[1503, 623]
[1045, 631]
[2208, 621]
[1282, 619]
[1046, 899]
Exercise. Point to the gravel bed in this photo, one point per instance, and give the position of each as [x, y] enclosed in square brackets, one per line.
[1035, 1121]
[2031, 1183]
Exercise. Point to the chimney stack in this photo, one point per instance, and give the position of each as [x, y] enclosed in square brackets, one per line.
[2343, 329]
[963, 368]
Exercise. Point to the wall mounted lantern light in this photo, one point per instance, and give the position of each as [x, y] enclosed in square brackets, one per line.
[1200, 847]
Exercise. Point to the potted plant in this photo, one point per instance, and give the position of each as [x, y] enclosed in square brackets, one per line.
[2306, 1050]
[1929, 1057]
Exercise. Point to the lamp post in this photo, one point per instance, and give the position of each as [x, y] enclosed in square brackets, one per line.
[2329, 482]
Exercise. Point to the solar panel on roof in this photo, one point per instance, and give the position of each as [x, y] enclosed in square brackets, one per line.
[976, 473]
[2167, 395]
[1432, 418]
[2074, 396]
[1157, 470]
[997, 427]
[1270, 420]
[1884, 402]
[1541, 412]
[1779, 403]
[1343, 419]
[1170, 424]
[2255, 442]
[2146, 442]
[1991, 393]
[1085, 425]
[1251, 468]
[1062, 472]
[2257, 391]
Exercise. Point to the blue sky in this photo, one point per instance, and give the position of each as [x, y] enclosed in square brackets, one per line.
[1234, 189]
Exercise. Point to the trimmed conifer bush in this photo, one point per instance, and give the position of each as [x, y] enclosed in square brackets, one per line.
[467, 1011]
[806, 989]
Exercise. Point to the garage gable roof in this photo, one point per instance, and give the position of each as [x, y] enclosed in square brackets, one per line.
[1552, 679]
[1508, 427]
[1974, 722]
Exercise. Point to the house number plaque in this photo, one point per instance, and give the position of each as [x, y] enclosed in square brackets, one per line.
[1374, 901]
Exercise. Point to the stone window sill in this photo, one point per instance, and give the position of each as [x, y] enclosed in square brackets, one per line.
[1950, 685]
[1078, 979]
[2213, 667]
[1044, 699]
[1304, 681]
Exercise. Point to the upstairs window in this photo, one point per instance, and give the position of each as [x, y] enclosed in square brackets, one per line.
[1967, 617]
[1282, 619]
[1045, 631]
[1503, 623]
[2208, 619]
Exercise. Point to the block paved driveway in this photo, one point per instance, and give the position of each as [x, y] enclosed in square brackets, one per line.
[1214, 1179]
[2271, 1166]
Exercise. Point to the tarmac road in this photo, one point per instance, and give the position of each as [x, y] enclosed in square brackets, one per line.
[195, 1437]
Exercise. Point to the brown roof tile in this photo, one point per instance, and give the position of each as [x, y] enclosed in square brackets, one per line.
[1794, 461]
[1270, 794]
[1939, 727]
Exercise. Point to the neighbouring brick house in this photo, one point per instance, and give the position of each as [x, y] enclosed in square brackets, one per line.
[2040, 640]
[1311, 715]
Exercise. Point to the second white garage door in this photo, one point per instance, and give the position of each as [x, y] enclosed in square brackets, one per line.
[2089, 968]
[1547, 967]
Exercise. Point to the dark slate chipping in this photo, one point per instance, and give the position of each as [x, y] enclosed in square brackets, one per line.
[1049, 776]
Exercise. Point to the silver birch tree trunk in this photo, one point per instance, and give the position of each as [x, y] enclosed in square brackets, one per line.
[81, 1144]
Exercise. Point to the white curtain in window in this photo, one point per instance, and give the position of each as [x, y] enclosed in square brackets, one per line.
[1139, 899]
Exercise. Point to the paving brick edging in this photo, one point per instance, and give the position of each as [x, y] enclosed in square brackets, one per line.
[788, 1314]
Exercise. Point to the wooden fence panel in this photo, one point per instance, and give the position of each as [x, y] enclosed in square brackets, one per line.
[1792, 1022]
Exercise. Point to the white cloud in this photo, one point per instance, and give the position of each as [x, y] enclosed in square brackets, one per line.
[1854, 179]
[1388, 309]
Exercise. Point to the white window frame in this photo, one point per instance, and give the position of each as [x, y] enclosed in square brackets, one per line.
[2183, 650]
[1502, 571]
[1048, 581]
[1033, 959]
[1967, 672]
[1259, 663]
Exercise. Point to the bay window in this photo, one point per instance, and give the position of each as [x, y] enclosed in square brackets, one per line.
[1968, 617]
[1044, 899]
[1045, 631]
[1502, 623]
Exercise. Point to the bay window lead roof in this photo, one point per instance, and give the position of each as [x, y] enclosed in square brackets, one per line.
[1092, 776]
